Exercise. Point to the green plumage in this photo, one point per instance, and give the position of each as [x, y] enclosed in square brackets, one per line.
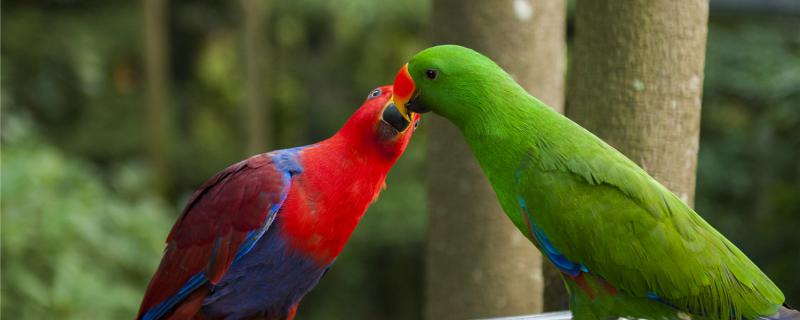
[595, 206]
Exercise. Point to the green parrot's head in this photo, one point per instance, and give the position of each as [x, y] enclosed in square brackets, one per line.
[455, 82]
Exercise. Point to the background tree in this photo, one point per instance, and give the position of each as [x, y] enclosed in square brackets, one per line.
[477, 263]
[256, 52]
[157, 92]
[636, 81]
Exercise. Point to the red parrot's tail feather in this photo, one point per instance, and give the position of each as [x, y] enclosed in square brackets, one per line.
[292, 312]
[190, 307]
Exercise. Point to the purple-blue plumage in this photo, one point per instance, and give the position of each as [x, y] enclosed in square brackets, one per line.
[270, 280]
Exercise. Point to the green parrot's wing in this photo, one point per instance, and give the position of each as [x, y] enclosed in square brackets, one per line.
[601, 210]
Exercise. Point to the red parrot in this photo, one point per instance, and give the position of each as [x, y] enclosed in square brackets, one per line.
[259, 235]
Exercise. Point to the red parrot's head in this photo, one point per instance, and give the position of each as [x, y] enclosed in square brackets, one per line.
[380, 125]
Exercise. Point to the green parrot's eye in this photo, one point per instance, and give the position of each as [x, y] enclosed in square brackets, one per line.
[431, 74]
[374, 93]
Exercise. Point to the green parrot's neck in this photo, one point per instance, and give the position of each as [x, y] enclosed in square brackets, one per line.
[500, 139]
[505, 138]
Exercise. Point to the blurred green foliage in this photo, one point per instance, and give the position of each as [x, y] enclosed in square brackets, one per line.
[82, 229]
[74, 246]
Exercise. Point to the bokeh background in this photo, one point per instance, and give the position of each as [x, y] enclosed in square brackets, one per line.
[83, 221]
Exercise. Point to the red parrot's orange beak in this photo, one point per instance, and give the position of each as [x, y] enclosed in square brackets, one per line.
[403, 91]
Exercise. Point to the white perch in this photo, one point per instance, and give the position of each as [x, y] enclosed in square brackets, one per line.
[558, 315]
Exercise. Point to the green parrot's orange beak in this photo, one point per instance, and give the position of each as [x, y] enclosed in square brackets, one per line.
[404, 89]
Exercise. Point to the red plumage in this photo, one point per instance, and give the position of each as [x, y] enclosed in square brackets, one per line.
[316, 196]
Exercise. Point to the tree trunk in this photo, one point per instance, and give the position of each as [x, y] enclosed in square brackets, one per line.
[477, 263]
[636, 81]
[256, 54]
[157, 92]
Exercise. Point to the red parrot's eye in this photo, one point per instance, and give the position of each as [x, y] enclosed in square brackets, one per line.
[374, 93]
[431, 74]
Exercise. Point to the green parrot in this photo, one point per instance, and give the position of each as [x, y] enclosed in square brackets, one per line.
[625, 245]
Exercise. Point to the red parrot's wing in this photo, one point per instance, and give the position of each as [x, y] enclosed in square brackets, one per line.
[221, 222]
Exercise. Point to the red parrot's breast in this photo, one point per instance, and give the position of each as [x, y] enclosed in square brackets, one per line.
[324, 206]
